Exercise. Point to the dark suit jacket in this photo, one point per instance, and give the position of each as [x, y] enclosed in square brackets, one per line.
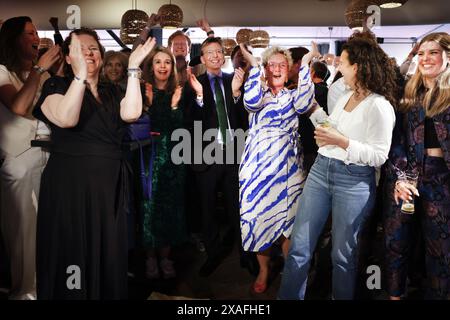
[237, 115]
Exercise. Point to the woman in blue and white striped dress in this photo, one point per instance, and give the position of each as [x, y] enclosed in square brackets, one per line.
[271, 176]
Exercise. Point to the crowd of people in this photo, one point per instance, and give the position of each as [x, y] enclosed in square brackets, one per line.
[322, 146]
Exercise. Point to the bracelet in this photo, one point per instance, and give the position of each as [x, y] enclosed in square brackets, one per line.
[134, 73]
[78, 79]
[39, 69]
[210, 32]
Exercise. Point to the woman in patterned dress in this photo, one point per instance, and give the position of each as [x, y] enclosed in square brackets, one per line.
[424, 145]
[164, 219]
[271, 176]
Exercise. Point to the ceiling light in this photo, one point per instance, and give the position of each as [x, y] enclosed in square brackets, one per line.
[390, 4]
[171, 16]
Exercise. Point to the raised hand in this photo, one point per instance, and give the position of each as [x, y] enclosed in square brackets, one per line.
[194, 83]
[204, 25]
[238, 80]
[176, 97]
[54, 22]
[314, 53]
[49, 58]
[141, 52]
[149, 93]
[153, 20]
[77, 61]
[248, 56]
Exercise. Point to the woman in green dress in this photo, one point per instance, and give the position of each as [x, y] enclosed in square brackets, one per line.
[164, 219]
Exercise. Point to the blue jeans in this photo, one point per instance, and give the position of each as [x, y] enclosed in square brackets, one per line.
[348, 191]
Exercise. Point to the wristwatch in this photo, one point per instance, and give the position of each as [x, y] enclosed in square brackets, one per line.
[39, 69]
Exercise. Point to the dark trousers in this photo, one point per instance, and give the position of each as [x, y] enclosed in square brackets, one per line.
[433, 210]
[217, 177]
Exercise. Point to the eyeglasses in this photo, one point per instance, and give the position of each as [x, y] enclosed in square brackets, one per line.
[282, 65]
[92, 49]
[210, 53]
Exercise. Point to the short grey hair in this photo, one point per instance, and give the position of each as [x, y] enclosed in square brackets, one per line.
[265, 56]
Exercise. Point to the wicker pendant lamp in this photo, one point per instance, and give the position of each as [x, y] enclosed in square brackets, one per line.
[259, 39]
[228, 46]
[133, 21]
[243, 35]
[356, 13]
[389, 4]
[171, 16]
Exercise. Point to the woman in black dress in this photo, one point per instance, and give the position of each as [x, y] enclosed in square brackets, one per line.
[82, 229]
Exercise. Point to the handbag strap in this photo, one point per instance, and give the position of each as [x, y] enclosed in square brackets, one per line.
[146, 180]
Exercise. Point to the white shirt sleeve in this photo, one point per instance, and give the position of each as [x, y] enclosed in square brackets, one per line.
[380, 124]
[5, 78]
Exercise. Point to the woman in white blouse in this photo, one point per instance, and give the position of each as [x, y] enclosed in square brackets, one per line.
[342, 179]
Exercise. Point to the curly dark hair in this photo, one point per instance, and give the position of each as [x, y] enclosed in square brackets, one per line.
[376, 71]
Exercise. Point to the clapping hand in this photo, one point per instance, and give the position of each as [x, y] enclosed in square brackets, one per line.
[238, 80]
[140, 53]
[149, 93]
[248, 56]
[194, 83]
[176, 97]
[77, 61]
[49, 58]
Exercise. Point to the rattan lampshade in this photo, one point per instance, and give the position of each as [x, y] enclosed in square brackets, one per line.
[45, 43]
[171, 16]
[243, 35]
[228, 46]
[356, 13]
[389, 4]
[133, 21]
[259, 39]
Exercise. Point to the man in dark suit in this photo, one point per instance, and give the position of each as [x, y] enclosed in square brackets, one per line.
[219, 106]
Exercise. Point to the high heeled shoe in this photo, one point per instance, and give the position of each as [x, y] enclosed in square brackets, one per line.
[259, 287]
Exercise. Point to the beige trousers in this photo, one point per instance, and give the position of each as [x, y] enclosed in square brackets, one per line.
[19, 186]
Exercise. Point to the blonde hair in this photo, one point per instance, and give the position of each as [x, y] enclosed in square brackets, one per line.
[437, 99]
[123, 58]
[265, 56]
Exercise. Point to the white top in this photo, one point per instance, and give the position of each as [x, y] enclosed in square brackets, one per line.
[369, 129]
[9, 78]
[335, 91]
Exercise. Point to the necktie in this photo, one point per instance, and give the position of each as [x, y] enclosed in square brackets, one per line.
[220, 108]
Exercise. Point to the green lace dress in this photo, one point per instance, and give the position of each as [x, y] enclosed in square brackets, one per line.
[164, 217]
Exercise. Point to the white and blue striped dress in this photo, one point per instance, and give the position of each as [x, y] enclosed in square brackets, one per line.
[271, 174]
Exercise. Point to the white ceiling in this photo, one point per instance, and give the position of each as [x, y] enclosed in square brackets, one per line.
[103, 14]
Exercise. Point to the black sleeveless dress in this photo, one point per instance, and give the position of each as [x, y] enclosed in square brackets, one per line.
[82, 228]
